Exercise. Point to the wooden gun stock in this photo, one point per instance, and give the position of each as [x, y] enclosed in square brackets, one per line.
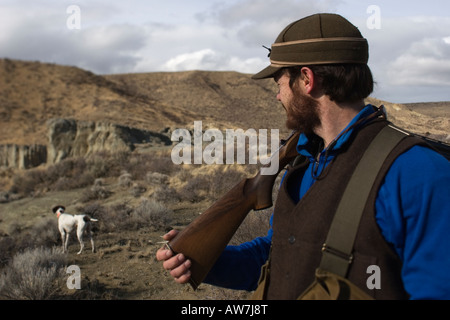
[204, 239]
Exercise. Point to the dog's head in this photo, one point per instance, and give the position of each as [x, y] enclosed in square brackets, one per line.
[59, 209]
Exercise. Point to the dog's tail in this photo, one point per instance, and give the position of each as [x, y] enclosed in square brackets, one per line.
[86, 218]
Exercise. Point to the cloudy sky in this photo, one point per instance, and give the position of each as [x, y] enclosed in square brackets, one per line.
[409, 40]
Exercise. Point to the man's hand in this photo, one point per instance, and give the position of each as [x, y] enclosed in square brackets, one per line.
[178, 265]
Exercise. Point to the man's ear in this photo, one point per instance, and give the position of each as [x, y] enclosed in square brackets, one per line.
[308, 79]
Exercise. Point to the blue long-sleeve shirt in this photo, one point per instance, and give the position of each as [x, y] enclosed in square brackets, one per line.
[412, 211]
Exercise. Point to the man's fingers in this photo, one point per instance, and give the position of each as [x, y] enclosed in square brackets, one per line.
[177, 265]
[170, 235]
[184, 278]
[174, 262]
[181, 274]
[163, 254]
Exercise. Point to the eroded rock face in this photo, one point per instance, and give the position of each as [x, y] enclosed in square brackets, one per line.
[22, 157]
[71, 138]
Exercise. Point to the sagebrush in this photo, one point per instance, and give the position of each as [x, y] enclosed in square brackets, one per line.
[34, 274]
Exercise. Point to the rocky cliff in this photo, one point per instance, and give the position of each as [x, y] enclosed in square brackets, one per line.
[72, 138]
[22, 157]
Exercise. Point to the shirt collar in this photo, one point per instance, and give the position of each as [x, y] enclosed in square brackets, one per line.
[305, 143]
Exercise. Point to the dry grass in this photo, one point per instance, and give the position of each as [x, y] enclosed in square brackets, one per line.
[153, 213]
[75, 173]
[34, 274]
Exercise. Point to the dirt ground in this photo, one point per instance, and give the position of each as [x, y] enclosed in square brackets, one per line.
[124, 265]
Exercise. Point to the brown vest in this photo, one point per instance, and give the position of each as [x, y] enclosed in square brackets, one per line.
[300, 230]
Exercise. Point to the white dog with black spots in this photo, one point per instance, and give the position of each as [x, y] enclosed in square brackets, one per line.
[68, 222]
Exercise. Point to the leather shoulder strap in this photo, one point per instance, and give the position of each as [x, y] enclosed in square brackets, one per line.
[337, 250]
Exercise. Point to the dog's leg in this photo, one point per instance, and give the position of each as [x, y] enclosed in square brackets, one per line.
[63, 237]
[89, 232]
[80, 231]
[66, 243]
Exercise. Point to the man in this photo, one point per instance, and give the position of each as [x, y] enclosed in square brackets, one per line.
[320, 66]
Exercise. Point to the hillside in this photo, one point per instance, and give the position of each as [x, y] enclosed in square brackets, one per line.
[33, 92]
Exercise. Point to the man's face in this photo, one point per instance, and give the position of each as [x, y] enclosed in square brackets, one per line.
[301, 110]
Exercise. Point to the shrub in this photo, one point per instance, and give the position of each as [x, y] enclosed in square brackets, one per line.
[165, 194]
[222, 182]
[71, 168]
[15, 239]
[209, 186]
[26, 183]
[97, 192]
[100, 165]
[8, 246]
[68, 174]
[43, 233]
[120, 217]
[125, 180]
[4, 197]
[196, 189]
[156, 178]
[155, 162]
[72, 173]
[152, 213]
[137, 190]
[34, 274]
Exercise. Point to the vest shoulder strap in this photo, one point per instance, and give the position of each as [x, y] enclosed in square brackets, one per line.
[337, 250]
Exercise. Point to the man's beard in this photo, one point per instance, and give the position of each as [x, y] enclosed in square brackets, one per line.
[302, 113]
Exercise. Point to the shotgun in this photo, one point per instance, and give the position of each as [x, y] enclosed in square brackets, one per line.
[204, 239]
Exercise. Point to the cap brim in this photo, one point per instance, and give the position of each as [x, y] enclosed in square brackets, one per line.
[268, 72]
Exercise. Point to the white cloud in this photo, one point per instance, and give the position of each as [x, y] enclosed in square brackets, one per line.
[40, 33]
[425, 62]
[410, 58]
[208, 59]
[203, 59]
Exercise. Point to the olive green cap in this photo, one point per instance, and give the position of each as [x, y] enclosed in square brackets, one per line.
[318, 39]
